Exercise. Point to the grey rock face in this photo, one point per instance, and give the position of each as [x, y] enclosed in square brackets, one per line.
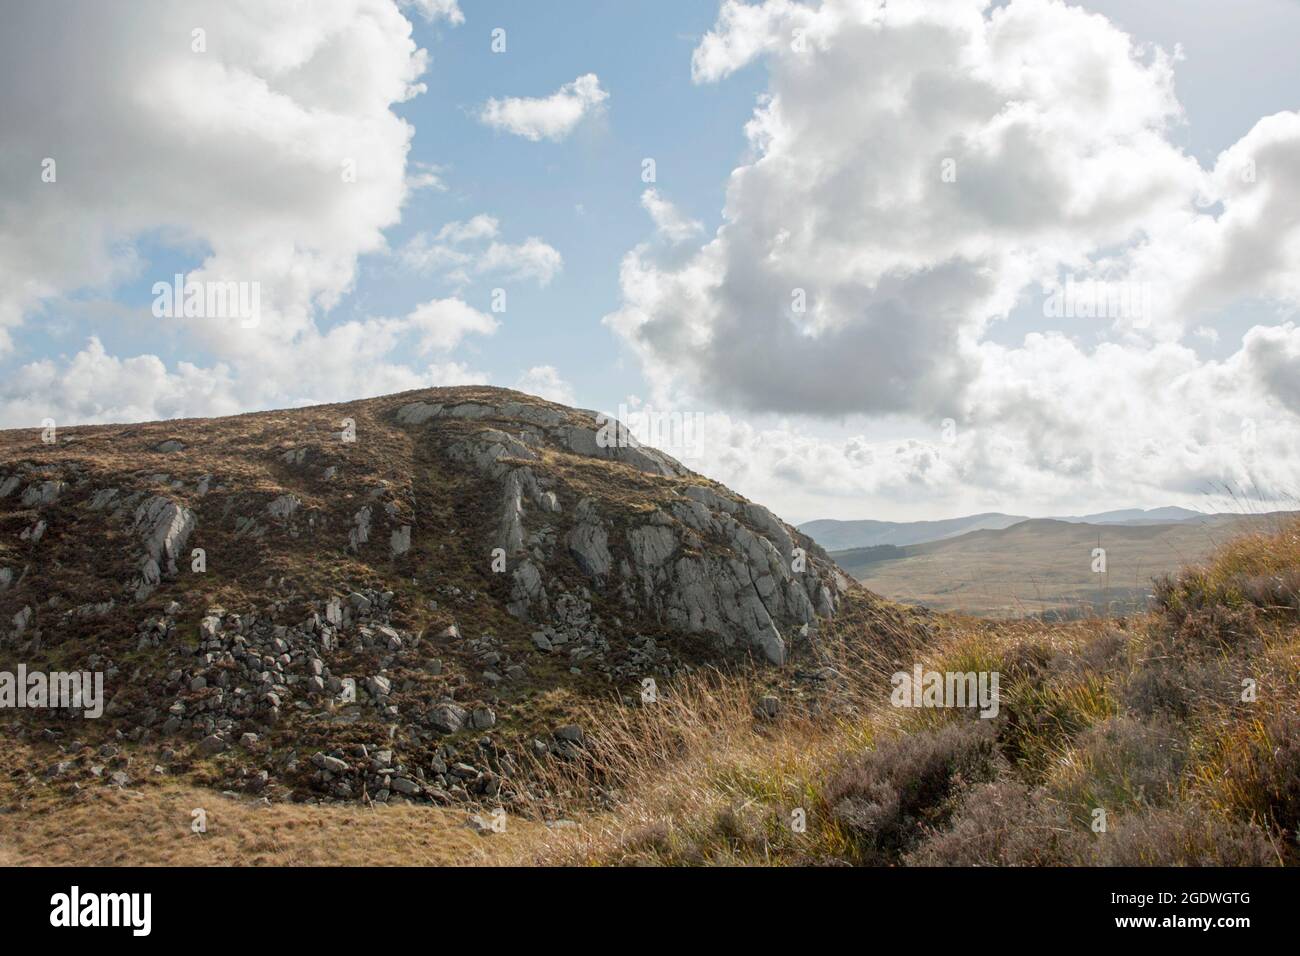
[607, 438]
[360, 532]
[520, 486]
[102, 498]
[486, 448]
[473, 411]
[745, 590]
[164, 528]
[417, 413]
[589, 542]
[448, 718]
[510, 538]
[527, 590]
[43, 493]
[283, 507]
[711, 499]
[651, 545]
[706, 562]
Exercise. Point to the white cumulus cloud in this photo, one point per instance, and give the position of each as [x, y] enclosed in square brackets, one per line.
[920, 172]
[550, 117]
[260, 143]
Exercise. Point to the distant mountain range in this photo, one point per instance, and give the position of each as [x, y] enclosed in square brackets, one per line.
[1044, 565]
[836, 535]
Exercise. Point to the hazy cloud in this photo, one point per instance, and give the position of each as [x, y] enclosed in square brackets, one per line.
[546, 382]
[432, 10]
[669, 221]
[462, 249]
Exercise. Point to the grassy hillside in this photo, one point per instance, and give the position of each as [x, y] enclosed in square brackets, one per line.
[1151, 720]
[1143, 720]
[400, 600]
[1041, 565]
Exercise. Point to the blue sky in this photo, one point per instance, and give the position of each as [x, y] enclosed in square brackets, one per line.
[925, 380]
[581, 195]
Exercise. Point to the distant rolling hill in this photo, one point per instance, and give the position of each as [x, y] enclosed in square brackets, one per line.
[1042, 565]
[841, 535]
[1133, 516]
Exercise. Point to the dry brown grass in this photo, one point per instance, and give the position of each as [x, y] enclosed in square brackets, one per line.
[1142, 718]
[151, 827]
[675, 769]
[699, 776]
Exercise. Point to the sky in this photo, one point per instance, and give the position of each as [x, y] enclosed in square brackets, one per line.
[854, 259]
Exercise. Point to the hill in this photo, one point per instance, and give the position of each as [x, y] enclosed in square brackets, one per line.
[1134, 742]
[1168, 738]
[1043, 566]
[1138, 516]
[661, 672]
[837, 535]
[402, 598]
[834, 535]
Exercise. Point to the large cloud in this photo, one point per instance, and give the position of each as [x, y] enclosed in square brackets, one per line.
[916, 165]
[1052, 429]
[259, 137]
[921, 171]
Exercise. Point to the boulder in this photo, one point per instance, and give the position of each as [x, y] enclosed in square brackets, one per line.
[448, 718]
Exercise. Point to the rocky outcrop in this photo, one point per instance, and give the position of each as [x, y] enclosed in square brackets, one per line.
[704, 562]
[164, 528]
[405, 589]
[588, 541]
[40, 494]
[753, 588]
[486, 450]
[520, 488]
[360, 533]
[283, 507]
[609, 439]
